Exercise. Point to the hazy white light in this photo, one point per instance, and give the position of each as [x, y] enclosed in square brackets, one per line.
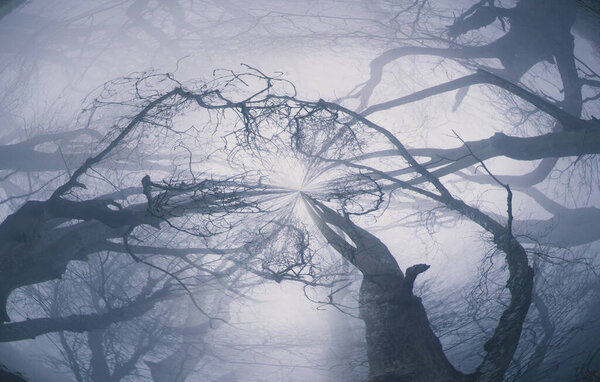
[289, 173]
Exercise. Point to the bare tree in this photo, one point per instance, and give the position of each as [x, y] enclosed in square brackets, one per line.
[176, 177]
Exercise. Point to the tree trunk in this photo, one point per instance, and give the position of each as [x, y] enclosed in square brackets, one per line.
[401, 345]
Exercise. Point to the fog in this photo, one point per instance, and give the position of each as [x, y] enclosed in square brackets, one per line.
[327, 190]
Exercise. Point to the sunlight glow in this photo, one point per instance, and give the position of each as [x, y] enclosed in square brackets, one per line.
[288, 173]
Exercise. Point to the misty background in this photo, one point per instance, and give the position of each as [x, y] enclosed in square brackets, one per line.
[218, 266]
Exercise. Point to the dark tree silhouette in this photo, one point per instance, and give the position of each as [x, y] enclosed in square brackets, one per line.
[187, 200]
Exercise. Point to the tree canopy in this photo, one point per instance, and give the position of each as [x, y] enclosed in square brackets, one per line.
[422, 175]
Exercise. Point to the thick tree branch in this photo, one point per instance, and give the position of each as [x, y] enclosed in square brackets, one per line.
[32, 328]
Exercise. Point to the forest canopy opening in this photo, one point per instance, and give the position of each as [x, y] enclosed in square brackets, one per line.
[412, 199]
